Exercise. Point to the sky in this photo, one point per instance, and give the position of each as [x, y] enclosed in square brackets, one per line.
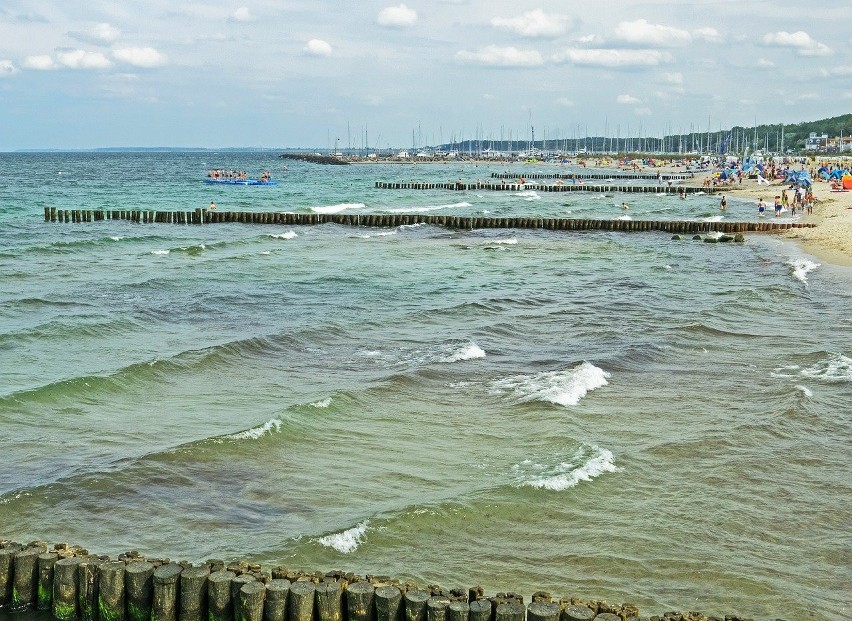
[380, 73]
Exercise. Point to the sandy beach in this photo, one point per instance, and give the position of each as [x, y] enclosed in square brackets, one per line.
[831, 239]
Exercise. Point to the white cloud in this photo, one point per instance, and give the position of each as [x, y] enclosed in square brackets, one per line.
[762, 62]
[640, 32]
[81, 59]
[642, 111]
[564, 101]
[534, 24]
[604, 57]
[140, 56]
[7, 68]
[42, 62]
[494, 56]
[708, 34]
[675, 78]
[317, 47]
[397, 16]
[836, 71]
[99, 34]
[589, 39]
[242, 14]
[800, 41]
[628, 99]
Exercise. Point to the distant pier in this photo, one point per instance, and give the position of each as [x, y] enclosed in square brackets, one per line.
[204, 216]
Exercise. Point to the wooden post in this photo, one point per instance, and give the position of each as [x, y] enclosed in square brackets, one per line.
[219, 604]
[415, 605]
[577, 613]
[436, 608]
[388, 603]
[111, 591]
[301, 601]
[510, 612]
[251, 601]
[329, 597]
[481, 610]
[164, 603]
[87, 592]
[360, 601]
[237, 584]
[543, 611]
[65, 581]
[458, 611]
[25, 578]
[139, 587]
[275, 608]
[193, 594]
[44, 597]
[7, 574]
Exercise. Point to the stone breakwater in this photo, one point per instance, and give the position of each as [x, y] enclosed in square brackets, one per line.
[204, 216]
[75, 585]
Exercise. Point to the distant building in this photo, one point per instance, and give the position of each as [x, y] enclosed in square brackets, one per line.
[816, 143]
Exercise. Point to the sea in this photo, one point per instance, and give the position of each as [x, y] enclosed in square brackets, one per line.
[605, 415]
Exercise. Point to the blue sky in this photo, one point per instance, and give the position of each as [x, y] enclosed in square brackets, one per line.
[97, 73]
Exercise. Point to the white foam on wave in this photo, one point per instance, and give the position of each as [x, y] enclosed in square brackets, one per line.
[285, 235]
[379, 234]
[321, 404]
[801, 268]
[805, 390]
[258, 432]
[713, 219]
[160, 252]
[337, 208]
[468, 351]
[567, 473]
[624, 218]
[116, 237]
[460, 205]
[835, 368]
[566, 387]
[346, 541]
[510, 242]
[410, 226]
[528, 195]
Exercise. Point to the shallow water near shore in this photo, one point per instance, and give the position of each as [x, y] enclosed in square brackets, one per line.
[606, 415]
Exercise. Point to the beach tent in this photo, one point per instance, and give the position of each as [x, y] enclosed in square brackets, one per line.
[799, 178]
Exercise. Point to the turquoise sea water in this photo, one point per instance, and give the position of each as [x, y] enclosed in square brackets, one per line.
[607, 415]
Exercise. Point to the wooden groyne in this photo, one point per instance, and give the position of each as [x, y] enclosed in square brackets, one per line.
[74, 585]
[542, 187]
[204, 216]
[596, 175]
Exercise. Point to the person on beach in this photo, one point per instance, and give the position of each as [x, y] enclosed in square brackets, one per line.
[778, 206]
[723, 204]
[212, 206]
[761, 207]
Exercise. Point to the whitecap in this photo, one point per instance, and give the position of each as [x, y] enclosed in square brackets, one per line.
[285, 235]
[528, 195]
[160, 252]
[321, 404]
[509, 242]
[801, 268]
[337, 208]
[624, 218]
[346, 541]
[257, 432]
[713, 219]
[410, 226]
[379, 234]
[117, 237]
[807, 392]
[468, 351]
[460, 205]
[567, 473]
[566, 387]
[835, 368]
